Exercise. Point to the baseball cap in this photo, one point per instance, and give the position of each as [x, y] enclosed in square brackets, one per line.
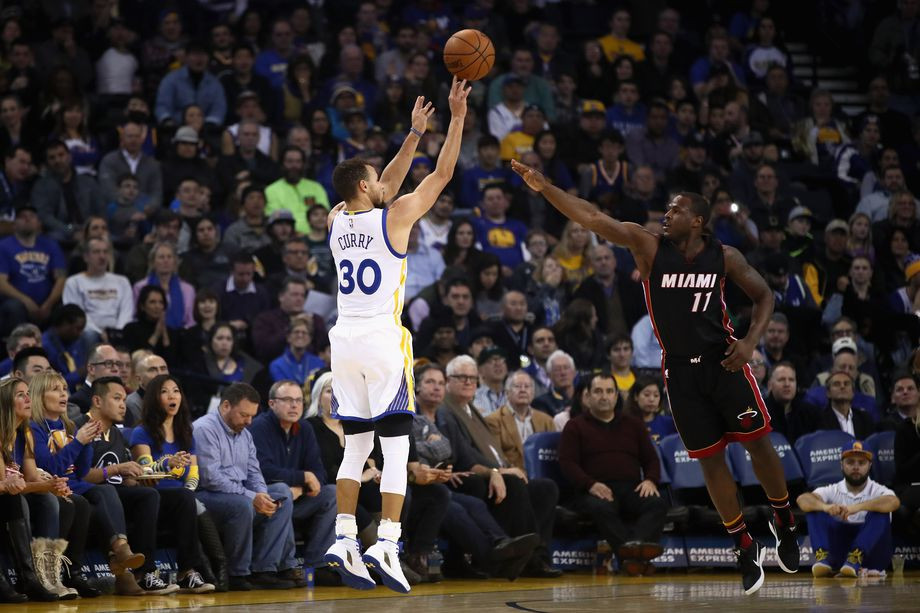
[480, 332]
[695, 140]
[344, 88]
[773, 223]
[856, 449]
[837, 225]
[844, 343]
[281, 215]
[776, 264]
[186, 134]
[487, 354]
[589, 107]
[753, 138]
[799, 211]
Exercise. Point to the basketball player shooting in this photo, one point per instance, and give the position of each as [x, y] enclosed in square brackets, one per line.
[713, 394]
[372, 387]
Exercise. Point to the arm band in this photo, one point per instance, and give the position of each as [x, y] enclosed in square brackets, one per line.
[416, 132]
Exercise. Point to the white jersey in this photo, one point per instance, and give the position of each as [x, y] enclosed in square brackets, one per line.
[371, 273]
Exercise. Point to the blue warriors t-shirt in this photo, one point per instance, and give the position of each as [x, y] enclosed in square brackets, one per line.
[476, 179]
[502, 239]
[139, 436]
[31, 269]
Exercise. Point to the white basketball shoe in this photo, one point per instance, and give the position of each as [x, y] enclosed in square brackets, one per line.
[345, 558]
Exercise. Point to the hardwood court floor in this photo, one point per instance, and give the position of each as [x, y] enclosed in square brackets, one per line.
[674, 593]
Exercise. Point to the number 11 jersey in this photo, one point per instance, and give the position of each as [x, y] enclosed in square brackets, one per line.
[371, 273]
[685, 300]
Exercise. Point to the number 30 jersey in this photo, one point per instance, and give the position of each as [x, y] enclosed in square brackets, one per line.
[371, 273]
[685, 300]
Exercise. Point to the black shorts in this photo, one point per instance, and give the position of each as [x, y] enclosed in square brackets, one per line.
[711, 406]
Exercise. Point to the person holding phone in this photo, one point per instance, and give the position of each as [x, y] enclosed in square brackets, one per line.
[233, 489]
[289, 453]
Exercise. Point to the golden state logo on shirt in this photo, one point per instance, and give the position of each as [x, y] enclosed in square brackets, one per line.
[501, 238]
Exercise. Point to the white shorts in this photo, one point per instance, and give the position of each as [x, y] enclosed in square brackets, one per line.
[371, 369]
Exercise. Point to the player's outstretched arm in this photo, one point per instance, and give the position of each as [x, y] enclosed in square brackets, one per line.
[410, 207]
[751, 283]
[628, 234]
[395, 173]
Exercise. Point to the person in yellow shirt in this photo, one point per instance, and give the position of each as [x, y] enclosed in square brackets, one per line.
[520, 141]
[617, 42]
[293, 192]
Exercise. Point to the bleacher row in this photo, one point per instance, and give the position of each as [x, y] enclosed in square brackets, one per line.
[694, 535]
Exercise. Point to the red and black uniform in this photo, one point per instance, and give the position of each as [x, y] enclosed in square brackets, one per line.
[685, 298]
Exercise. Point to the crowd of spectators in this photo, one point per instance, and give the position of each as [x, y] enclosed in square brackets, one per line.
[166, 173]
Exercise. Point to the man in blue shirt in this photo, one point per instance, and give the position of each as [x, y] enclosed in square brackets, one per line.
[498, 234]
[289, 453]
[191, 84]
[255, 518]
[272, 62]
[32, 273]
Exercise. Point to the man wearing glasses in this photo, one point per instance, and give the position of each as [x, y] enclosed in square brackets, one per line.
[102, 361]
[288, 453]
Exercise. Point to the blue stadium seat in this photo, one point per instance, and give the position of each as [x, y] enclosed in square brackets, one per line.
[688, 486]
[819, 453]
[881, 444]
[541, 456]
[739, 461]
[790, 461]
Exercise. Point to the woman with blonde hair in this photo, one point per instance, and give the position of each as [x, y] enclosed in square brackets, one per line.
[322, 382]
[572, 251]
[860, 237]
[163, 271]
[61, 449]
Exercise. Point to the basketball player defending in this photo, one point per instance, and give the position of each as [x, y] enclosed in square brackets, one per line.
[714, 397]
[372, 387]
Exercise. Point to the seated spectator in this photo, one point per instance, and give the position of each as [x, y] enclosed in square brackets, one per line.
[511, 333]
[289, 453]
[242, 78]
[644, 402]
[129, 158]
[790, 414]
[905, 402]
[246, 164]
[547, 291]
[102, 361]
[461, 249]
[488, 286]
[65, 343]
[435, 225]
[22, 337]
[491, 394]
[280, 231]
[269, 329]
[849, 522]
[718, 56]
[166, 227]
[604, 289]
[906, 460]
[519, 505]
[61, 448]
[163, 273]
[620, 353]
[106, 298]
[32, 273]
[458, 303]
[424, 264]
[506, 112]
[627, 114]
[497, 233]
[249, 233]
[149, 329]
[845, 359]
[297, 363]
[819, 135]
[241, 298]
[191, 84]
[64, 198]
[16, 131]
[541, 345]
[611, 460]
[17, 172]
[206, 263]
[605, 179]
[617, 42]
[877, 204]
[652, 145]
[148, 367]
[163, 443]
[561, 369]
[572, 251]
[225, 362]
[518, 142]
[514, 422]
[293, 192]
[186, 158]
[763, 53]
[256, 531]
[488, 171]
[317, 240]
[577, 333]
[839, 413]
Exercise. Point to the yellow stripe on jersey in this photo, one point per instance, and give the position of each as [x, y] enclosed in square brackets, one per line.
[399, 294]
[405, 345]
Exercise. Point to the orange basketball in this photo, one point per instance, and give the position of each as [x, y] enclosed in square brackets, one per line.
[469, 54]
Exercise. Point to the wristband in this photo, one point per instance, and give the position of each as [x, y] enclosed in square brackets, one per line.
[416, 132]
[105, 474]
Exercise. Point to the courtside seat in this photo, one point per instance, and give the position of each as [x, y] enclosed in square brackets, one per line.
[678, 516]
[881, 444]
[688, 488]
[541, 459]
[819, 454]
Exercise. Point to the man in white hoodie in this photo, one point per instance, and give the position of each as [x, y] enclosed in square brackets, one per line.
[105, 297]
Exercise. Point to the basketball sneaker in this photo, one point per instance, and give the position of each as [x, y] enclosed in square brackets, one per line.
[787, 546]
[345, 558]
[383, 558]
[751, 562]
[821, 568]
[851, 567]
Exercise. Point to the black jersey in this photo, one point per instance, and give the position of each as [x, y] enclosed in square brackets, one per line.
[685, 299]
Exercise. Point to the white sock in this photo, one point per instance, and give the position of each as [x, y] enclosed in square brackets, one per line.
[389, 530]
[345, 525]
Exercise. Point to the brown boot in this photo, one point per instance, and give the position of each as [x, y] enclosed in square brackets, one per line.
[126, 585]
[121, 558]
